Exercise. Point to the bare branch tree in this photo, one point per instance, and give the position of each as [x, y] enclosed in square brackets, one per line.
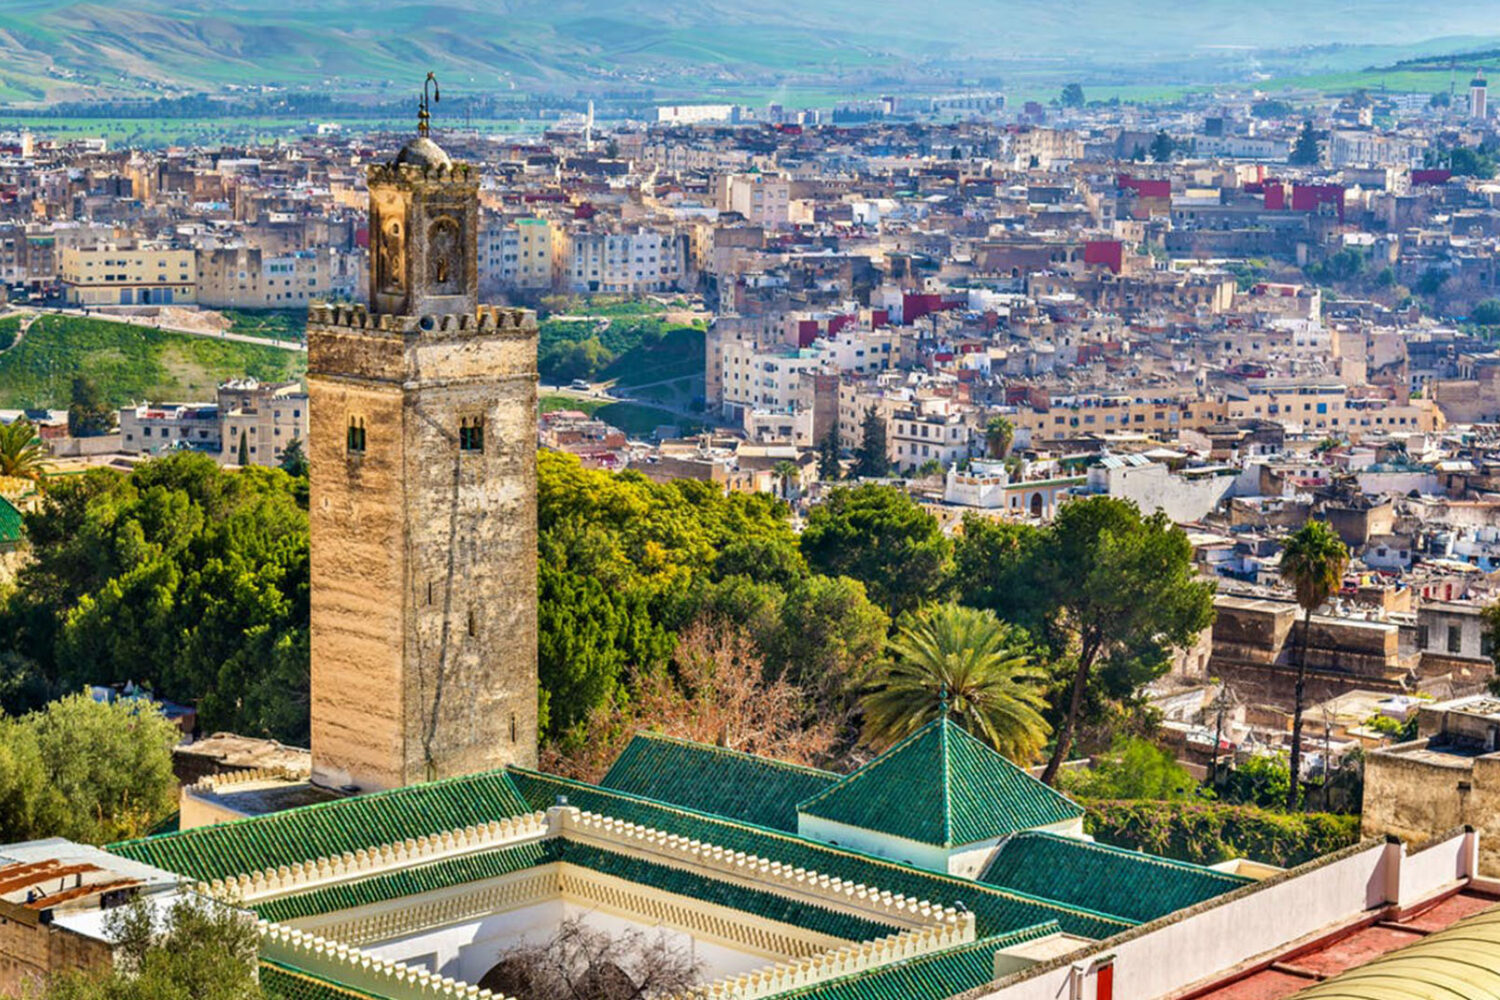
[581, 963]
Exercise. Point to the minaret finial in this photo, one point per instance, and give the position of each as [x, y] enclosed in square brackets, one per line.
[424, 116]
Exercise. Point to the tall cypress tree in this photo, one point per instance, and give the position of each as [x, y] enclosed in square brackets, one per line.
[871, 458]
[244, 450]
[828, 454]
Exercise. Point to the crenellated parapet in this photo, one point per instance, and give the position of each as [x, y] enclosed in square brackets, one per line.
[486, 319]
[359, 969]
[365, 862]
[458, 174]
[684, 852]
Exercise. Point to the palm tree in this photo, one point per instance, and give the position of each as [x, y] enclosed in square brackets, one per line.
[1313, 562]
[998, 435]
[784, 472]
[21, 455]
[970, 661]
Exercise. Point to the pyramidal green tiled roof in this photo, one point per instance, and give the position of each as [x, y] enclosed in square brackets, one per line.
[716, 780]
[941, 786]
[996, 910]
[1099, 877]
[328, 828]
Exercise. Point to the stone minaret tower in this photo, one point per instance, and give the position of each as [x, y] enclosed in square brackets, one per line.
[423, 507]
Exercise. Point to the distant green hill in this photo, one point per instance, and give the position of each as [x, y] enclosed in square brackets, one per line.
[129, 363]
[63, 48]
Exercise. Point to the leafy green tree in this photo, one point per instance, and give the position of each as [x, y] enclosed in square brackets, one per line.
[872, 457]
[828, 455]
[1313, 563]
[86, 770]
[1465, 161]
[998, 435]
[1486, 313]
[21, 454]
[827, 636]
[969, 663]
[1072, 95]
[1122, 593]
[205, 951]
[881, 537]
[994, 566]
[294, 459]
[1133, 769]
[1305, 152]
[181, 575]
[1162, 147]
[89, 412]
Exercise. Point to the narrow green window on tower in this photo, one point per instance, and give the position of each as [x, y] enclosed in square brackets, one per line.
[356, 436]
[471, 434]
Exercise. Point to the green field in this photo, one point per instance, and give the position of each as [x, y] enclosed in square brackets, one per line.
[129, 363]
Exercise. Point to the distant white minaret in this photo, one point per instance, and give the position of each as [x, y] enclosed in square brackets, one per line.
[1478, 97]
[588, 129]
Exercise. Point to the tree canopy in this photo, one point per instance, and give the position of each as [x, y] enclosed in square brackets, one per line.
[883, 538]
[181, 576]
[85, 770]
[205, 951]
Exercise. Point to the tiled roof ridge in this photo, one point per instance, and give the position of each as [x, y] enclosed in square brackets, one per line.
[356, 968]
[763, 871]
[1154, 859]
[946, 759]
[306, 875]
[405, 791]
[872, 859]
[776, 762]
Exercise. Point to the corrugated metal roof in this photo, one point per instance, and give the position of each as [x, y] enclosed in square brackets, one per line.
[1461, 962]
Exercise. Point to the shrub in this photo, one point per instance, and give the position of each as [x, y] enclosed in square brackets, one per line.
[1207, 833]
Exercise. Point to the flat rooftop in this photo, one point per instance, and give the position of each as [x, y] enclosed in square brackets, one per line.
[1299, 969]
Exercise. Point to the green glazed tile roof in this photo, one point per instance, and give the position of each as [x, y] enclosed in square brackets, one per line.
[1108, 879]
[996, 910]
[283, 982]
[716, 780]
[490, 864]
[11, 529]
[329, 828]
[407, 882]
[942, 786]
[943, 974]
[769, 905]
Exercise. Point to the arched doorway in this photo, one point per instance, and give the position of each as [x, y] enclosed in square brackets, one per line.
[1036, 505]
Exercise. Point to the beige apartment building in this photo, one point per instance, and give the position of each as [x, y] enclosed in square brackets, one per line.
[112, 276]
[265, 416]
[251, 278]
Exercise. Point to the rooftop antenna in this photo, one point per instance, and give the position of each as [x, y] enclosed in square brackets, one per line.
[424, 117]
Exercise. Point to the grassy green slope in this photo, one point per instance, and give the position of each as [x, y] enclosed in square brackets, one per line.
[130, 364]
